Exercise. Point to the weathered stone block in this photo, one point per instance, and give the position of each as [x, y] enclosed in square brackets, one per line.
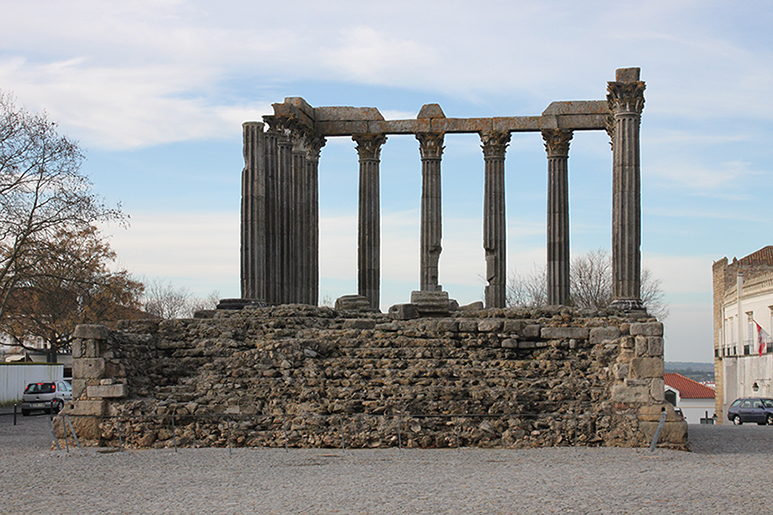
[91, 331]
[87, 428]
[513, 326]
[86, 348]
[88, 368]
[473, 306]
[628, 394]
[643, 368]
[489, 325]
[90, 408]
[646, 329]
[558, 333]
[627, 74]
[628, 342]
[510, 343]
[655, 346]
[108, 391]
[352, 303]
[359, 323]
[447, 326]
[604, 334]
[78, 386]
[658, 389]
[431, 302]
[673, 433]
[641, 346]
[531, 331]
[526, 345]
[114, 369]
[404, 311]
[468, 326]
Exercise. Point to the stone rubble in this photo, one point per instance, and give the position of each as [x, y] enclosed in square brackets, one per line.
[302, 376]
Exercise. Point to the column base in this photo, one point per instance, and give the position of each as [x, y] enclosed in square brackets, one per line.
[236, 304]
[628, 305]
[431, 303]
[353, 303]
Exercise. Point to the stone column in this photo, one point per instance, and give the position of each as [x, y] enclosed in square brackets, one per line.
[314, 146]
[431, 149]
[299, 221]
[271, 279]
[253, 213]
[284, 199]
[369, 224]
[557, 147]
[626, 101]
[494, 220]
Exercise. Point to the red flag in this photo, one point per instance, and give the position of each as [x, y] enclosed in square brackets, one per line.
[762, 338]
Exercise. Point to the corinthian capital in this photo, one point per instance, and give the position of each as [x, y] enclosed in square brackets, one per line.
[278, 124]
[625, 97]
[369, 145]
[557, 142]
[494, 143]
[430, 144]
[314, 144]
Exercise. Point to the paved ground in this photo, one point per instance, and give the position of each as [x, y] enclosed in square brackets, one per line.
[727, 472]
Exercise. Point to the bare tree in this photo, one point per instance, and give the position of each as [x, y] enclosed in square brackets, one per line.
[209, 302]
[529, 290]
[590, 280]
[590, 286]
[164, 300]
[42, 193]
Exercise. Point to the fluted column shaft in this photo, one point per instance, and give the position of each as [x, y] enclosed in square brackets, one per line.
[494, 219]
[369, 222]
[299, 221]
[286, 283]
[271, 279]
[558, 259]
[253, 212]
[626, 101]
[315, 144]
[431, 150]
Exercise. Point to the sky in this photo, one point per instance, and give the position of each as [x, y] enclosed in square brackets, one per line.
[155, 92]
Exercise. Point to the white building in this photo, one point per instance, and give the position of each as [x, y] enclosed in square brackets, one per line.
[743, 298]
[696, 400]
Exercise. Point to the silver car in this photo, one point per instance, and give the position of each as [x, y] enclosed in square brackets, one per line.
[47, 396]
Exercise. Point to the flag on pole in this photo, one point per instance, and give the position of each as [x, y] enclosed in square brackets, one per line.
[762, 338]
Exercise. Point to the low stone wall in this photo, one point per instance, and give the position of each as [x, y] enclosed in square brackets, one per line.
[314, 377]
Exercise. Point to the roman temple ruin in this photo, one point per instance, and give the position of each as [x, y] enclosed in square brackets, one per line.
[283, 372]
[280, 214]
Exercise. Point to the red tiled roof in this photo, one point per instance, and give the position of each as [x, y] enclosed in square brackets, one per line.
[687, 388]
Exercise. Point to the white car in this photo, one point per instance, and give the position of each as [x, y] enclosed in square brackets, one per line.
[48, 396]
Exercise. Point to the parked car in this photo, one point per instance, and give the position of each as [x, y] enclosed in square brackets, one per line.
[751, 409]
[46, 396]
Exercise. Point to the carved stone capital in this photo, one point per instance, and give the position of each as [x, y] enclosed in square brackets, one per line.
[430, 144]
[314, 144]
[557, 142]
[278, 124]
[369, 146]
[625, 97]
[494, 144]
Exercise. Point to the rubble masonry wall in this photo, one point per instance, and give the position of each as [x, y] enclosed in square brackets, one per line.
[313, 377]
